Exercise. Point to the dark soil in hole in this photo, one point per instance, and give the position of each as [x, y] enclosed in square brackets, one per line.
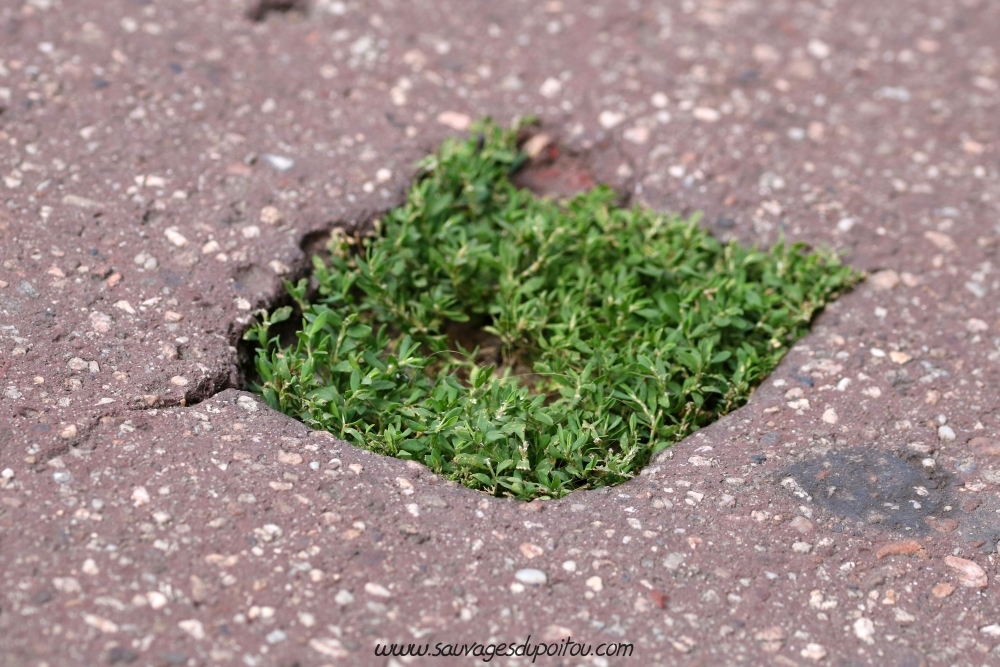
[557, 174]
[557, 171]
[469, 336]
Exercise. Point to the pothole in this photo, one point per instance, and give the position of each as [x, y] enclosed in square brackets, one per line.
[530, 346]
[897, 491]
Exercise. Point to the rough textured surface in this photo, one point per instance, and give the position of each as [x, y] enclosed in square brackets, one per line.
[163, 166]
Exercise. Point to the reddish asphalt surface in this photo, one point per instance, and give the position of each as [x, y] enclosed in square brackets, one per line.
[164, 165]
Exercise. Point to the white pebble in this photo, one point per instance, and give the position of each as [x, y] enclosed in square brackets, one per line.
[193, 627]
[77, 364]
[247, 403]
[276, 636]
[100, 623]
[270, 215]
[156, 599]
[68, 585]
[976, 325]
[706, 114]
[454, 120]
[673, 561]
[637, 135]
[813, 652]
[140, 496]
[864, 630]
[126, 306]
[550, 88]
[530, 576]
[801, 547]
[991, 630]
[278, 162]
[818, 49]
[175, 236]
[377, 589]
[279, 267]
[609, 119]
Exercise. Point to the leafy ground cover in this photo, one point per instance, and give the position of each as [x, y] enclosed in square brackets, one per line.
[530, 347]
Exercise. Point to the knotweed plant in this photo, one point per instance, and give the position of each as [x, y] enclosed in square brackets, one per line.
[530, 347]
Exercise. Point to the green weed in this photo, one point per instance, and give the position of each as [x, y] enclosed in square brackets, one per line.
[614, 332]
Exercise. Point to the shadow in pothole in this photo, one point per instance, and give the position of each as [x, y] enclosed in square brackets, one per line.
[259, 10]
[894, 490]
